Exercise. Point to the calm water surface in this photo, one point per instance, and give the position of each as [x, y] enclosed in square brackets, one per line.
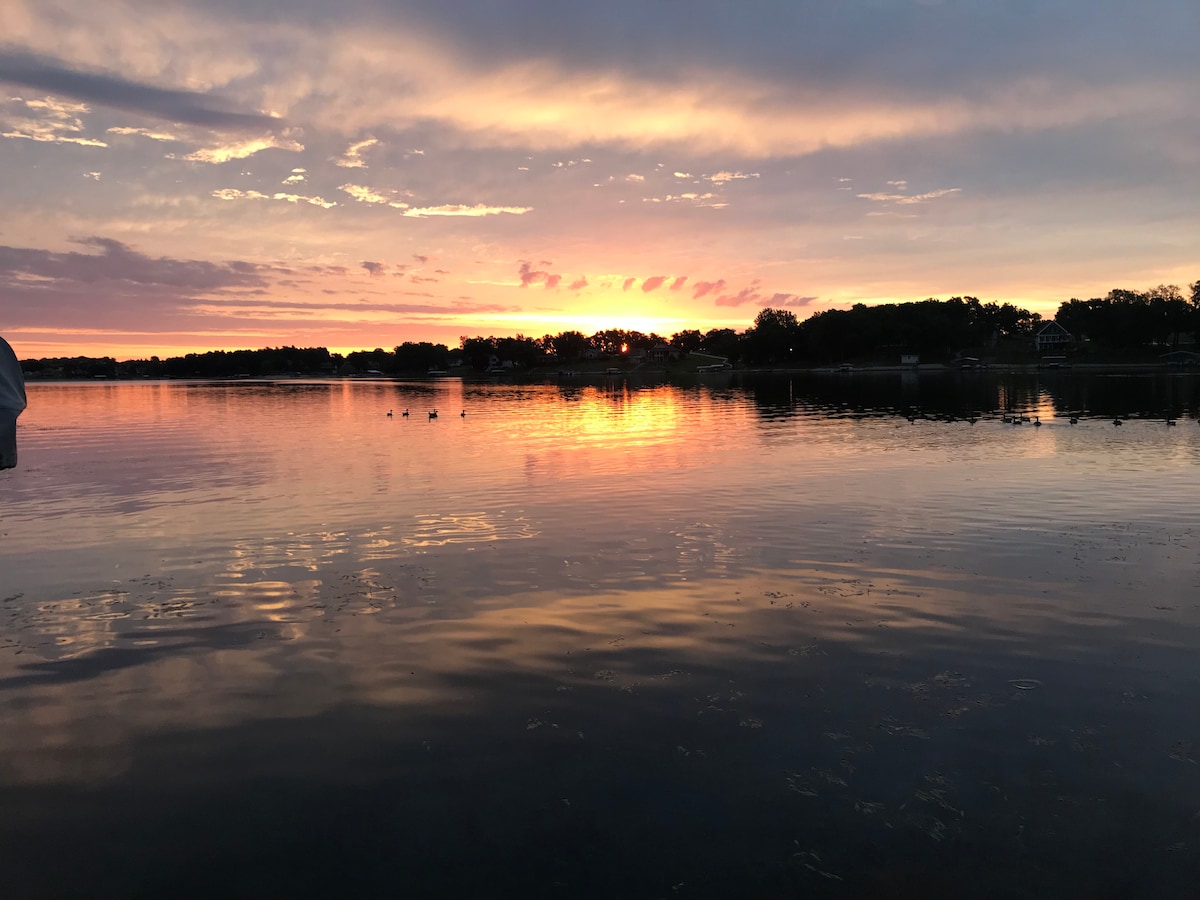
[741, 639]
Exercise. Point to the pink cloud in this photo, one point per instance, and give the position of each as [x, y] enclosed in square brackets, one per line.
[707, 287]
[653, 283]
[552, 281]
[628, 284]
[745, 295]
[531, 276]
[678, 283]
[751, 295]
[791, 300]
[579, 284]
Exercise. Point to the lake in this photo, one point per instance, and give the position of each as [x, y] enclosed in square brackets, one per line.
[808, 635]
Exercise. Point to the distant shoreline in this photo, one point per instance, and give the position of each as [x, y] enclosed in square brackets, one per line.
[542, 373]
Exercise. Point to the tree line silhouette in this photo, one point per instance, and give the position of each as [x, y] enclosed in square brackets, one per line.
[933, 330]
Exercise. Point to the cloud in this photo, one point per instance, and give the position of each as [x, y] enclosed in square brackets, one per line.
[49, 121]
[143, 132]
[352, 158]
[242, 149]
[703, 288]
[368, 195]
[678, 283]
[905, 199]
[529, 275]
[456, 209]
[791, 300]
[235, 194]
[692, 197]
[726, 177]
[742, 297]
[578, 284]
[628, 284]
[374, 268]
[48, 74]
[653, 283]
[117, 262]
[751, 295]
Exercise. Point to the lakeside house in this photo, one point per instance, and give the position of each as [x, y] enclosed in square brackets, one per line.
[658, 355]
[1180, 358]
[1052, 337]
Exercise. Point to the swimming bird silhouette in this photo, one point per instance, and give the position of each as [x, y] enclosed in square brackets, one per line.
[1074, 420]
[1037, 422]
[404, 414]
[433, 414]
[389, 413]
[464, 415]
[1118, 421]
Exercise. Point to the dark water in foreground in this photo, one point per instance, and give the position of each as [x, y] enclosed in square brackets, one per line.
[617, 641]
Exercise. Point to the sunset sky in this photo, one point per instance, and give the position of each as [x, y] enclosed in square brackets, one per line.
[180, 175]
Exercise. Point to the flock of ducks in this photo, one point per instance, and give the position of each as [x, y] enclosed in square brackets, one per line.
[433, 414]
[1021, 419]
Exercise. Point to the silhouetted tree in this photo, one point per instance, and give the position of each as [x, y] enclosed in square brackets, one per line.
[568, 346]
[774, 336]
[421, 357]
[687, 341]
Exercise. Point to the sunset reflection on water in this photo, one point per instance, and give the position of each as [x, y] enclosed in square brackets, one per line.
[793, 618]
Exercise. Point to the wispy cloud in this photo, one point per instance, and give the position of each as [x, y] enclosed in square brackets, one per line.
[707, 199]
[905, 199]
[455, 209]
[236, 194]
[143, 132]
[47, 121]
[57, 77]
[369, 195]
[118, 262]
[353, 157]
[242, 149]
[726, 177]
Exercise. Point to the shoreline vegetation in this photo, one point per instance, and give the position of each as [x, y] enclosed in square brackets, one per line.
[1125, 330]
